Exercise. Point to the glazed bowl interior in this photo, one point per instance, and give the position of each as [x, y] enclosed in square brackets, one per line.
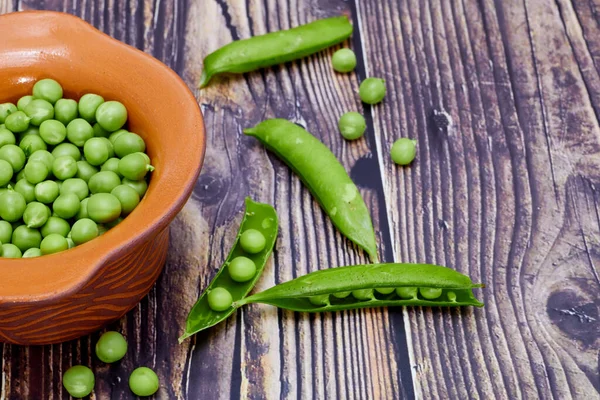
[161, 109]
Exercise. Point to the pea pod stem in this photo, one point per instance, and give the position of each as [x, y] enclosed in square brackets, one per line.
[275, 47]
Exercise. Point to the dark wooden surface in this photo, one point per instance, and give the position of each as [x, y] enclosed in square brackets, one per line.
[507, 192]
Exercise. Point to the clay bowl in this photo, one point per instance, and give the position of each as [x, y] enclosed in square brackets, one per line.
[63, 296]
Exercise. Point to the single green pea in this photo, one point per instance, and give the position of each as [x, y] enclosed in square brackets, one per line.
[128, 197]
[39, 110]
[70, 243]
[82, 210]
[112, 164]
[451, 296]
[363, 294]
[79, 131]
[55, 225]
[140, 186]
[100, 131]
[103, 182]
[20, 175]
[128, 143]
[143, 382]
[146, 157]
[252, 241]
[23, 101]
[54, 243]
[77, 186]
[372, 90]
[25, 238]
[114, 135]
[134, 166]
[64, 167]
[341, 295]
[26, 189]
[65, 110]
[112, 346]
[36, 172]
[9, 250]
[67, 149]
[385, 290]
[43, 156]
[53, 132]
[103, 207]
[352, 125]
[430, 293]
[111, 115]
[88, 104]
[35, 215]
[6, 137]
[6, 172]
[48, 89]
[66, 205]
[46, 192]
[31, 131]
[32, 252]
[17, 122]
[319, 300]
[12, 206]
[241, 269]
[5, 231]
[403, 151]
[407, 292]
[14, 155]
[85, 171]
[83, 231]
[96, 151]
[219, 299]
[32, 143]
[343, 60]
[5, 110]
[79, 381]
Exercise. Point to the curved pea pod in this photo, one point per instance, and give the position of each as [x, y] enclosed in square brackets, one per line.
[261, 217]
[314, 292]
[276, 47]
[324, 176]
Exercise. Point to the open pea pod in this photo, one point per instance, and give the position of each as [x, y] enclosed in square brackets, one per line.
[372, 285]
[260, 217]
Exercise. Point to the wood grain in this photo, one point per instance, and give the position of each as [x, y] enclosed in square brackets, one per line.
[504, 188]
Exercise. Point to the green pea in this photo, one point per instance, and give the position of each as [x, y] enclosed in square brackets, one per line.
[403, 151]
[128, 197]
[103, 207]
[430, 293]
[341, 295]
[406, 292]
[47, 89]
[451, 296]
[134, 166]
[65, 110]
[111, 347]
[111, 115]
[67, 149]
[85, 171]
[372, 90]
[128, 143]
[43, 156]
[5, 110]
[109, 146]
[53, 243]
[31, 131]
[343, 60]
[83, 231]
[242, 269]
[146, 157]
[6, 137]
[79, 131]
[12, 206]
[143, 382]
[23, 101]
[100, 131]
[114, 135]
[25, 238]
[112, 164]
[77, 186]
[385, 290]
[82, 209]
[26, 189]
[32, 252]
[96, 151]
[36, 172]
[252, 241]
[352, 125]
[9, 250]
[46, 192]
[64, 167]
[363, 294]
[17, 122]
[79, 381]
[53, 132]
[319, 300]
[219, 299]
[5, 231]
[55, 225]
[66, 205]
[39, 110]
[35, 215]
[102, 229]
[88, 104]
[32, 143]
[14, 155]
[6, 172]
[112, 224]
[104, 182]
[140, 186]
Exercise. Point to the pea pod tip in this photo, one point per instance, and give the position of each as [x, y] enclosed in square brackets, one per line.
[204, 79]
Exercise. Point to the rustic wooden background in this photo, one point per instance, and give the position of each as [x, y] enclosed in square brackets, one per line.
[507, 192]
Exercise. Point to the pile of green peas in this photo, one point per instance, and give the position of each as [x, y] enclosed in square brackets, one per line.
[69, 171]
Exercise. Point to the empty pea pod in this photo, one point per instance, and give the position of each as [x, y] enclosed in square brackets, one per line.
[276, 47]
[207, 312]
[325, 177]
[316, 292]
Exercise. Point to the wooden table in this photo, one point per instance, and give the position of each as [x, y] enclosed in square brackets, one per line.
[507, 192]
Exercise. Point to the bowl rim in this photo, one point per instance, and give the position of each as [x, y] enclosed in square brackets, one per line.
[197, 152]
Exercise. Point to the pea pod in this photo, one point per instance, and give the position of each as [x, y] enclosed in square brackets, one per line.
[260, 217]
[276, 47]
[325, 177]
[316, 292]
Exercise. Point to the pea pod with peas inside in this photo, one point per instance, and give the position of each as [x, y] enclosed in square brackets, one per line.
[241, 270]
[325, 177]
[361, 286]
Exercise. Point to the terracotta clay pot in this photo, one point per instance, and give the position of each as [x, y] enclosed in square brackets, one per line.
[63, 296]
